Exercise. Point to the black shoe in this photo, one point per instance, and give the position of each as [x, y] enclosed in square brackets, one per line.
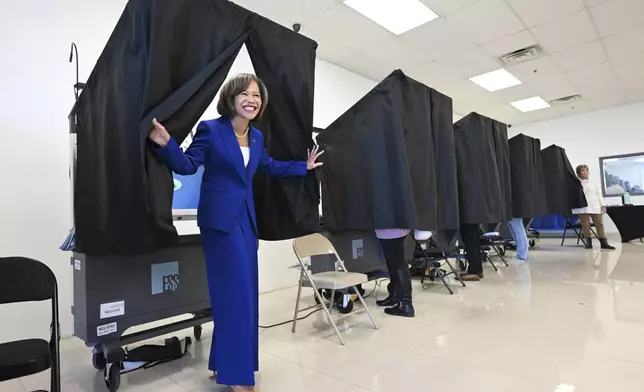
[403, 308]
[605, 245]
[588, 242]
[391, 300]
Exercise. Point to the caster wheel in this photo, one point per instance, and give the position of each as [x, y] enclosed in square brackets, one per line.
[533, 243]
[339, 304]
[461, 265]
[390, 287]
[98, 361]
[432, 275]
[113, 377]
[197, 332]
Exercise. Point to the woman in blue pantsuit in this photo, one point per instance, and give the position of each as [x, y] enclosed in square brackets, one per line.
[231, 151]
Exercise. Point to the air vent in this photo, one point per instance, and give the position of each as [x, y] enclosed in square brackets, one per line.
[565, 100]
[522, 55]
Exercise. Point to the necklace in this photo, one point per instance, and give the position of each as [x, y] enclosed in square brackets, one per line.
[243, 135]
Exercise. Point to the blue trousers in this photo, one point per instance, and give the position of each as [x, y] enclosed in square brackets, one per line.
[520, 237]
[231, 263]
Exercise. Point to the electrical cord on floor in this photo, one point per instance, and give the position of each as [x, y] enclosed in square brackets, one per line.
[375, 287]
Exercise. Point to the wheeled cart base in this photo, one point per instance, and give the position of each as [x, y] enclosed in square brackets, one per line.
[115, 293]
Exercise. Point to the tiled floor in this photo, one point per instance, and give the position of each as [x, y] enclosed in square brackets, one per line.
[569, 321]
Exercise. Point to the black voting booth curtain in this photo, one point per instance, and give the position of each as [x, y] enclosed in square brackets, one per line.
[563, 189]
[526, 169]
[483, 163]
[389, 160]
[167, 59]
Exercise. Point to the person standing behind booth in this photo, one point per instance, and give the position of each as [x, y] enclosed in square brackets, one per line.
[520, 237]
[231, 151]
[595, 210]
[393, 246]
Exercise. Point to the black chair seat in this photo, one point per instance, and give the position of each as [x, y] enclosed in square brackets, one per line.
[23, 358]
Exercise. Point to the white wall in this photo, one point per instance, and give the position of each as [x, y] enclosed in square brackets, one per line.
[36, 96]
[588, 136]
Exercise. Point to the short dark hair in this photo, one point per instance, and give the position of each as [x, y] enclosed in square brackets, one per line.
[236, 86]
[580, 168]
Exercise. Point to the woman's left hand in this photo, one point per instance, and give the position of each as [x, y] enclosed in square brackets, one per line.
[311, 161]
[603, 209]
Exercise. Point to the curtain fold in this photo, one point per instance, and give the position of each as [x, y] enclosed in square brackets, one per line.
[483, 170]
[167, 59]
[389, 160]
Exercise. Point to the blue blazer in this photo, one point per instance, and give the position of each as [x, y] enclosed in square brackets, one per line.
[227, 186]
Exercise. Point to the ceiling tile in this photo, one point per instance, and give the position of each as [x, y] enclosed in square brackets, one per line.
[590, 3]
[442, 7]
[467, 64]
[593, 78]
[611, 96]
[366, 67]
[535, 70]
[439, 39]
[631, 68]
[547, 81]
[486, 21]
[515, 93]
[534, 13]
[634, 95]
[328, 49]
[396, 53]
[565, 33]
[509, 44]
[580, 57]
[555, 87]
[618, 16]
[625, 45]
[344, 25]
[560, 111]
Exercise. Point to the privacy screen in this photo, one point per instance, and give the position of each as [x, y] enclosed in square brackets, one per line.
[528, 185]
[389, 161]
[563, 189]
[483, 162]
[167, 59]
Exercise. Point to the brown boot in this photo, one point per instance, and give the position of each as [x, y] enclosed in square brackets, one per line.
[471, 277]
[588, 242]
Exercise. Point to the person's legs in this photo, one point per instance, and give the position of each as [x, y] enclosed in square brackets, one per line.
[520, 237]
[585, 229]
[394, 250]
[471, 236]
[598, 220]
[233, 302]
[393, 288]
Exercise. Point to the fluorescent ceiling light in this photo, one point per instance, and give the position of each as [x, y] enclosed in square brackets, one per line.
[397, 16]
[496, 80]
[530, 104]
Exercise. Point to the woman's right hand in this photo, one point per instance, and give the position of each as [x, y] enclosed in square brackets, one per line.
[159, 134]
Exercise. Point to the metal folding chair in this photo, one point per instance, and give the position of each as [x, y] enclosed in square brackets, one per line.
[437, 250]
[491, 238]
[27, 280]
[577, 229]
[339, 279]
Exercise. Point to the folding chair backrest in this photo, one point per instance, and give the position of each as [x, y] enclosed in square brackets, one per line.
[312, 245]
[25, 280]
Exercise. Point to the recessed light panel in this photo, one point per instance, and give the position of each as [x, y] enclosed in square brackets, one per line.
[397, 16]
[496, 80]
[530, 104]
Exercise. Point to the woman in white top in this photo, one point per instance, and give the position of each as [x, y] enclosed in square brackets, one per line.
[595, 210]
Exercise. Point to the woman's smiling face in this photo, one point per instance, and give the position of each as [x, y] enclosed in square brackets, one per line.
[249, 102]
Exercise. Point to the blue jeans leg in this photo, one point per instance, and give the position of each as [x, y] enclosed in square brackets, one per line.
[520, 237]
